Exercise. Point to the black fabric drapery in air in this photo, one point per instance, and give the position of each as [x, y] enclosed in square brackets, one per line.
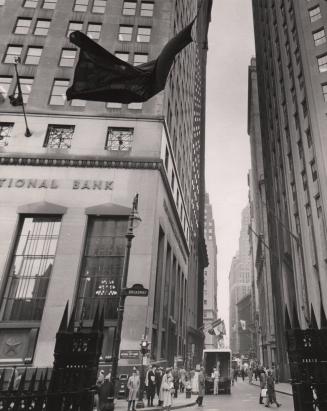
[101, 76]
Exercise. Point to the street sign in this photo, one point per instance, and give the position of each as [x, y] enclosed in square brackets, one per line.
[137, 290]
[129, 354]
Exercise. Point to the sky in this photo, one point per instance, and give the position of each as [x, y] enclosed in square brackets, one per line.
[231, 46]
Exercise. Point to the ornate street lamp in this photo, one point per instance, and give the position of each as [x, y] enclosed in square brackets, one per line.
[144, 348]
[133, 222]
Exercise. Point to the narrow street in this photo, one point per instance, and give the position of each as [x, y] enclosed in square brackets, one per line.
[243, 397]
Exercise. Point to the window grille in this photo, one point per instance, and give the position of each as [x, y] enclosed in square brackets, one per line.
[59, 136]
[102, 267]
[31, 268]
[41, 27]
[5, 133]
[119, 139]
[22, 26]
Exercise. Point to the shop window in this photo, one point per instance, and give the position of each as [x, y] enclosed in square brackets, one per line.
[41, 27]
[31, 267]
[22, 26]
[59, 136]
[119, 139]
[5, 133]
[102, 267]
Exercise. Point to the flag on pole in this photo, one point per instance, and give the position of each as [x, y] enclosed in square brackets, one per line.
[243, 324]
[101, 76]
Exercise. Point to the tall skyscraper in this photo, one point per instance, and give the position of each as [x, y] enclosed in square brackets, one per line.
[240, 279]
[210, 308]
[291, 58]
[67, 191]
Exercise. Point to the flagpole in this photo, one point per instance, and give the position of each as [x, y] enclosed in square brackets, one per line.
[27, 130]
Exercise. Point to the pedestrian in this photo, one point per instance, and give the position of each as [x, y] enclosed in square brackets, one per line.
[150, 382]
[182, 379]
[250, 374]
[201, 383]
[167, 386]
[104, 391]
[243, 373]
[158, 378]
[271, 394]
[133, 385]
[215, 376]
[263, 382]
[195, 379]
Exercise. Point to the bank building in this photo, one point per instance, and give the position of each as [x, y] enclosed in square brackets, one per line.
[66, 191]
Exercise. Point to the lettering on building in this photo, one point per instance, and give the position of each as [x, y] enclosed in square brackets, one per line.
[52, 184]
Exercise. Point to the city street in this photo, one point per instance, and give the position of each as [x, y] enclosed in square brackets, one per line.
[244, 397]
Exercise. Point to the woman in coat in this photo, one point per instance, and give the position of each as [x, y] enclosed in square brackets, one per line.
[201, 383]
[133, 386]
[167, 387]
[263, 382]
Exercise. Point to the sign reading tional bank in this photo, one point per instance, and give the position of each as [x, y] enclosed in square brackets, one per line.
[54, 184]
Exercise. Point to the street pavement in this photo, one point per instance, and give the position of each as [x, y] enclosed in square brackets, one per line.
[243, 397]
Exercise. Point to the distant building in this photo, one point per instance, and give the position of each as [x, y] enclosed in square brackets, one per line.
[240, 280]
[245, 329]
[66, 191]
[210, 309]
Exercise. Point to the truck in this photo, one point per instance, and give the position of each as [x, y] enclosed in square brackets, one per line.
[221, 359]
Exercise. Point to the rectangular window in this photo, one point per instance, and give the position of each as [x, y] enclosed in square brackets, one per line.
[324, 91]
[11, 53]
[67, 57]
[22, 26]
[99, 6]
[314, 170]
[129, 8]
[122, 56]
[31, 267]
[140, 59]
[147, 9]
[135, 106]
[41, 27]
[49, 4]
[33, 55]
[143, 34]
[81, 5]
[58, 93]
[5, 133]
[26, 86]
[315, 14]
[2, 2]
[114, 105]
[5, 82]
[59, 136]
[119, 139]
[125, 33]
[30, 3]
[319, 37]
[102, 267]
[322, 63]
[74, 26]
[94, 31]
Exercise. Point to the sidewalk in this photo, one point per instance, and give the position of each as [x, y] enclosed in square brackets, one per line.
[180, 402]
[281, 387]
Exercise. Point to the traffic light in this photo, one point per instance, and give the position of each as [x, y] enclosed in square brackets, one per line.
[144, 347]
